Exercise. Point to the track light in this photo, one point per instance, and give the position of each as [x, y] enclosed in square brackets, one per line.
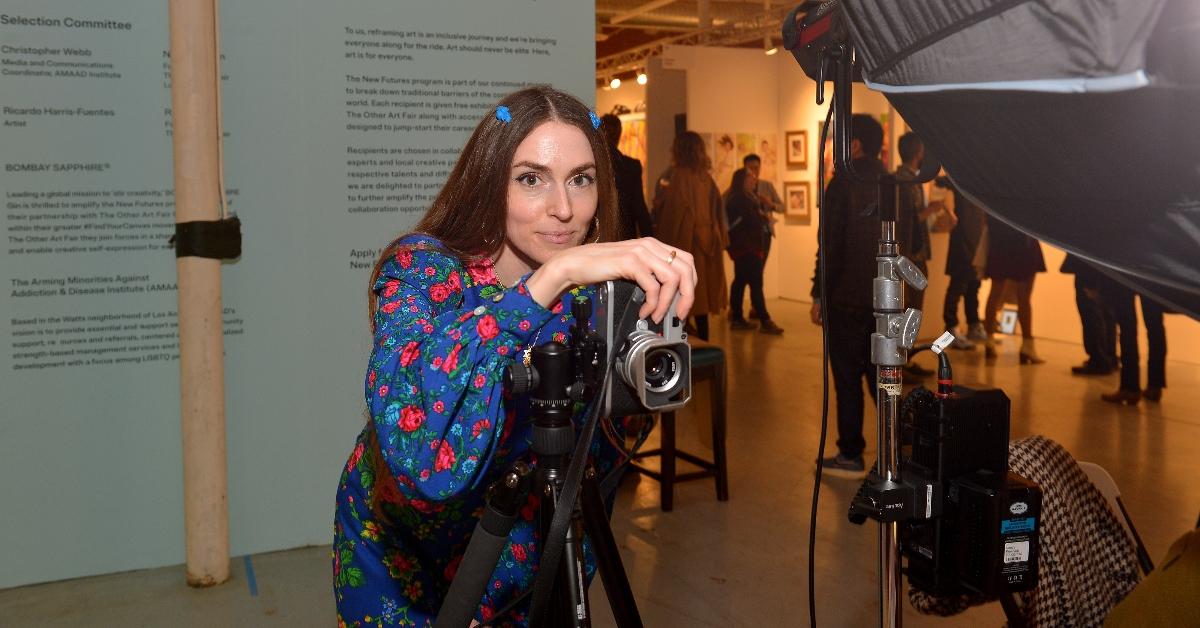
[768, 47]
[614, 83]
[641, 79]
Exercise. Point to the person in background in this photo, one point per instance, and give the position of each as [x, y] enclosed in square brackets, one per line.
[1013, 259]
[524, 222]
[845, 305]
[764, 191]
[966, 236]
[770, 202]
[1099, 327]
[631, 201]
[749, 234]
[912, 224]
[688, 216]
[1119, 300]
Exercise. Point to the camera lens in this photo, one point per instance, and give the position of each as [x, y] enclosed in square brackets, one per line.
[662, 369]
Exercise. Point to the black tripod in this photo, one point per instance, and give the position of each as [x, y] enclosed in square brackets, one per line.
[557, 377]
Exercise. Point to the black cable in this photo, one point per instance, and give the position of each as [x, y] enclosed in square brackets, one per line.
[812, 525]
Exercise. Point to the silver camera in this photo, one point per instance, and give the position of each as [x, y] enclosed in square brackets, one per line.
[652, 363]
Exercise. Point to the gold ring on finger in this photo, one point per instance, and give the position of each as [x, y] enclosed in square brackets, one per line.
[671, 257]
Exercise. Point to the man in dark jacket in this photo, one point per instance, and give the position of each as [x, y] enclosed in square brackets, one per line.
[631, 201]
[851, 243]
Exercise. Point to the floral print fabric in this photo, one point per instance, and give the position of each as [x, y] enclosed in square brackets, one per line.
[444, 334]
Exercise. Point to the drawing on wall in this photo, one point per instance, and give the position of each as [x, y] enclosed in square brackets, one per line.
[724, 159]
[633, 137]
[769, 155]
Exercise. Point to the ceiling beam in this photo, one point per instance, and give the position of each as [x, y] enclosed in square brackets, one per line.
[636, 11]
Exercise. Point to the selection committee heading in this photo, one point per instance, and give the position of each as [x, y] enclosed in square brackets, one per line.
[65, 22]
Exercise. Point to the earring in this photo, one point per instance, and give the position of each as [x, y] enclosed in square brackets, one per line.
[487, 241]
[595, 229]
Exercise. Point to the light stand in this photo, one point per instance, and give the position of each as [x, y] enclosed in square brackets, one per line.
[895, 331]
[822, 46]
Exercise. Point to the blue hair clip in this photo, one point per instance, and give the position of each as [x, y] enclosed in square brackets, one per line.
[595, 120]
[503, 115]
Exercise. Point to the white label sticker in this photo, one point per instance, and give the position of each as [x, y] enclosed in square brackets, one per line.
[942, 342]
[1018, 508]
[1017, 552]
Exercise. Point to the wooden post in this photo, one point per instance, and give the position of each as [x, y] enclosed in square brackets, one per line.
[194, 78]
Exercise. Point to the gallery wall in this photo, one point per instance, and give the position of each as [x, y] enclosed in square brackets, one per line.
[341, 123]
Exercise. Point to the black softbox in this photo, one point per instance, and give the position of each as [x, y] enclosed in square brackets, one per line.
[1076, 121]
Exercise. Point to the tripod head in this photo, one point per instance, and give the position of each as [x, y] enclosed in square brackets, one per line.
[557, 376]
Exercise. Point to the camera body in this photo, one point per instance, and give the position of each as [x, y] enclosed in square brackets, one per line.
[652, 362]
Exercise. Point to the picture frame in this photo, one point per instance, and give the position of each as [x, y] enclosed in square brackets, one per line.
[797, 202]
[796, 149]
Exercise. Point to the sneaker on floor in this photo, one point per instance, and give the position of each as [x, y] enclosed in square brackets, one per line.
[769, 327]
[976, 332]
[741, 325]
[840, 466]
[961, 343]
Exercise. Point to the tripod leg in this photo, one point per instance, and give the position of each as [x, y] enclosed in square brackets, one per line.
[567, 604]
[484, 549]
[608, 557]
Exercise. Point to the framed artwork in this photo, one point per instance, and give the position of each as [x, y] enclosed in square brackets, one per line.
[797, 201]
[797, 149]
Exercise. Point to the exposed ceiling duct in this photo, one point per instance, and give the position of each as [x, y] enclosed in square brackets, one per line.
[630, 31]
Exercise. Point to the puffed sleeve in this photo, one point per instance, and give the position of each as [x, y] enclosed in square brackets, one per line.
[434, 383]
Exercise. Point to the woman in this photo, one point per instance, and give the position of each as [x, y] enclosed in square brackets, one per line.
[1013, 258]
[687, 214]
[527, 214]
[749, 234]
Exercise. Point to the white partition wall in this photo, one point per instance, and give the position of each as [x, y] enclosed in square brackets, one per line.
[340, 121]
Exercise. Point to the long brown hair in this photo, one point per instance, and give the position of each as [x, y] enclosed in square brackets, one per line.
[470, 212]
[468, 216]
[687, 151]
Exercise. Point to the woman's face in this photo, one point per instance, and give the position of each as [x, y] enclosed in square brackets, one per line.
[552, 194]
[750, 184]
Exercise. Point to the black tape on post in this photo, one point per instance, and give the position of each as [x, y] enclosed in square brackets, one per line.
[213, 239]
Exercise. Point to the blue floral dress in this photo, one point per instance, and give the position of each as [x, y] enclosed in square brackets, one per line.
[444, 334]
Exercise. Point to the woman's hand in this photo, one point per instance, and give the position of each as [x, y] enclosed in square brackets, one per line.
[659, 270]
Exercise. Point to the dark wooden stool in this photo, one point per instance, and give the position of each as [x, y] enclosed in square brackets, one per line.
[708, 363]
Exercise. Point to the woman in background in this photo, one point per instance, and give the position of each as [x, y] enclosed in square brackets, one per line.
[688, 216]
[1013, 258]
[749, 235]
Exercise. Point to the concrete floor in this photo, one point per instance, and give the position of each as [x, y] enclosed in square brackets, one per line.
[743, 562]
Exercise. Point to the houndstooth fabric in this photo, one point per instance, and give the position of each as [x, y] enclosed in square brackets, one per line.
[1086, 562]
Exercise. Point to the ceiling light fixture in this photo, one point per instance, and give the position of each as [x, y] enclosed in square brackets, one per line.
[768, 47]
[641, 79]
[614, 83]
